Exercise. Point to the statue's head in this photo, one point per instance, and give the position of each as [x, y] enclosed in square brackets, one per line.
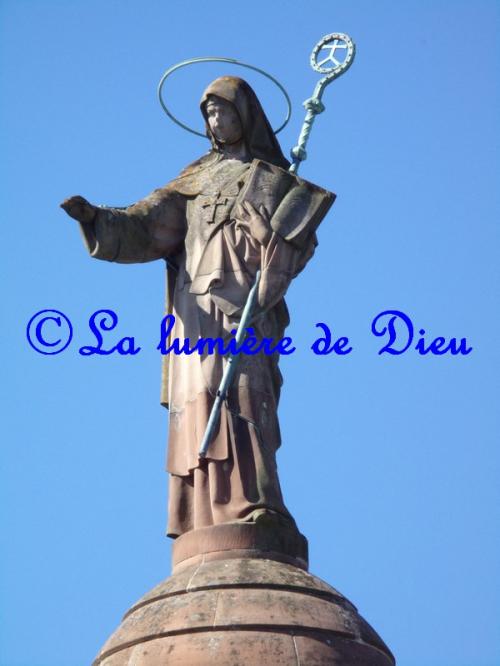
[223, 120]
[233, 112]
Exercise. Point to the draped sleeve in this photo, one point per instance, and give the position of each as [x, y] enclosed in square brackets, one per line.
[231, 259]
[150, 229]
[281, 261]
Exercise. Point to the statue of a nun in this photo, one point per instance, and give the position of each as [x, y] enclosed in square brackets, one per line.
[233, 212]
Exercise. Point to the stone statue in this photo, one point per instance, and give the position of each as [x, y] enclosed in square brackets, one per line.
[239, 592]
[234, 211]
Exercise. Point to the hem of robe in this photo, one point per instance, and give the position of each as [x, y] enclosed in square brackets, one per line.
[239, 488]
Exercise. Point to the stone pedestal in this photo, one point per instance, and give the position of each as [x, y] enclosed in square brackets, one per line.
[240, 595]
[268, 537]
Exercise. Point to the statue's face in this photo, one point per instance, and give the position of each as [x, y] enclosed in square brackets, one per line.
[223, 120]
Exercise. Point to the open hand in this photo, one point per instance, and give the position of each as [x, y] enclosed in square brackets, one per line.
[256, 222]
[79, 208]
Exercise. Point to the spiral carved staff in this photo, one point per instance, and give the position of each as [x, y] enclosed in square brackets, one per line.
[332, 56]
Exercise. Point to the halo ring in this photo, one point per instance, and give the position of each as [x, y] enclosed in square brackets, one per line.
[193, 61]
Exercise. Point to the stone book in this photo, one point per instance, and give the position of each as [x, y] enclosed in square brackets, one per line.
[295, 206]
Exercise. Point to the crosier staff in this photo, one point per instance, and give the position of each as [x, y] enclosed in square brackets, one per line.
[230, 369]
[314, 105]
[332, 68]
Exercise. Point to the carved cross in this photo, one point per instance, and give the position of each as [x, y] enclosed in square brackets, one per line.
[216, 201]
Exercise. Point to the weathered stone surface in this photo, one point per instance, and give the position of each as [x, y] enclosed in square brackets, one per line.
[266, 537]
[244, 612]
[277, 649]
[235, 572]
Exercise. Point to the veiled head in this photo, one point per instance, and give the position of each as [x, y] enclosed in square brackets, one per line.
[256, 130]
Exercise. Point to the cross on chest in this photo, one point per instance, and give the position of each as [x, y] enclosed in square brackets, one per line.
[214, 203]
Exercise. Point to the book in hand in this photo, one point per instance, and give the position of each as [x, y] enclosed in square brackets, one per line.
[295, 206]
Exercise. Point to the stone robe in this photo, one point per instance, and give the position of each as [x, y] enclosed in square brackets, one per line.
[192, 222]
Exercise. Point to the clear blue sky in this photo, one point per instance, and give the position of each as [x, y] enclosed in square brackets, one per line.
[389, 464]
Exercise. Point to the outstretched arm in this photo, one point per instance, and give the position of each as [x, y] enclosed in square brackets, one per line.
[151, 229]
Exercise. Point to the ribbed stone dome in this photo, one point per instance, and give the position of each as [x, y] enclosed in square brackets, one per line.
[243, 611]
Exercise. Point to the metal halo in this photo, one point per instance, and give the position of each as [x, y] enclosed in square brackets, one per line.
[193, 61]
[336, 69]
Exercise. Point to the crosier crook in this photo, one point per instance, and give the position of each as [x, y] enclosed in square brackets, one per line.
[313, 106]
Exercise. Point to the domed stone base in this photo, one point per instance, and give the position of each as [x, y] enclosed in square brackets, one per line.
[232, 610]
